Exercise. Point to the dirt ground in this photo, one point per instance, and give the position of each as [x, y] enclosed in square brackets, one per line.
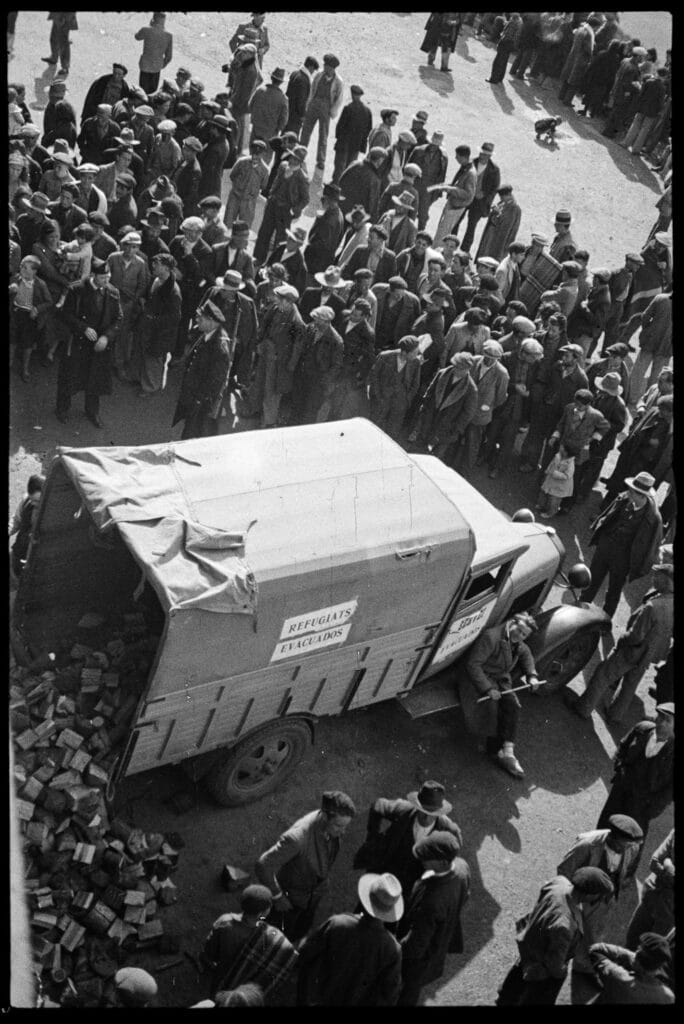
[515, 832]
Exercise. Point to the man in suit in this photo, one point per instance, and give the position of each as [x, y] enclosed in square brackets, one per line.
[240, 322]
[381, 135]
[491, 381]
[98, 134]
[648, 446]
[206, 375]
[521, 365]
[431, 926]
[130, 276]
[399, 224]
[412, 263]
[289, 254]
[186, 177]
[488, 181]
[325, 100]
[297, 92]
[361, 183]
[565, 377]
[233, 255]
[447, 408]
[327, 292]
[351, 133]
[326, 231]
[269, 110]
[354, 235]
[352, 959]
[432, 161]
[288, 197]
[460, 194]
[248, 176]
[92, 313]
[393, 384]
[394, 827]
[397, 311]
[378, 258]
[195, 270]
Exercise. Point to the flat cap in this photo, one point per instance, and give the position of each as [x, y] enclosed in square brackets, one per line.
[144, 110]
[438, 845]
[397, 282]
[193, 143]
[531, 347]
[104, 108]
[420, 115]
[563, 217]
[357, 90]
[210, 309]
[492, 348]
[634, 257]
[88, 169]
[376, 152]
[323, 313]
[167, 125]
[571, 268]
[331, 60]
[131, 238]
[653, 951]
[126, 179]
[576, 350]
[209, 201]
[592, 882]
[408, 137]
[462, 360]
[192, 224]
[286, 291]
[98, 218]
[625, 826]
[255, 899]
[386, 111]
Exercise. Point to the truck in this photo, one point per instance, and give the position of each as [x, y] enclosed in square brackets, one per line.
[293, 573]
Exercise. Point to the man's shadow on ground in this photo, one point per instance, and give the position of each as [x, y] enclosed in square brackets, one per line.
[441, 82]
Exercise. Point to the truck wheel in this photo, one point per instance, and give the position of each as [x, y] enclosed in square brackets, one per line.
[558, 667]
[259, 763]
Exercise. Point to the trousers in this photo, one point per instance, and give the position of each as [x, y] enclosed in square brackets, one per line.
[149, 80]
[645, 373]
[476, 211]
[60, 44]
[619, 665]
[199, 424]
[444, 60]
[515, 991]
[638, 132]
[613, 564]
[276, 220]
[317, 113]
[448, 222]
[344, 157]
[507, 717]
[655, 913]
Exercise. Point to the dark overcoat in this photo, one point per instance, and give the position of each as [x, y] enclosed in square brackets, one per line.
[431, 926]
[86, 369]
[205, 379]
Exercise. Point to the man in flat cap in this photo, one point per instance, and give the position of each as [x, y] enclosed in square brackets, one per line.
[614, 849]
[122, 209]
[502, 225]
[187, 176]
[297, 92]
[280, 348]
[633, 978]
[92, 313]
[325, 101]
[215, 155]
[448, 406]
[106, 89]
[563, 245]
[230, 944]
[326, 231]
[361, 183]
[103, 244]
[351, 132]
[548, 936]
[377, 257]
[269, 109]
[206, 374]
[289, 254]
[98, 134]
[319, 368]
[432, 160]
[287, 199]
[418, 128]
[393, 384]
[566, 293]
[395, 826]
[491, 380]
[431, 926]
[256, 30]
[66, 211]
[352, 959]
[521, 365]
[215, 231]
[166, 151]
[130, 276]
[460, 194]
[488, 181]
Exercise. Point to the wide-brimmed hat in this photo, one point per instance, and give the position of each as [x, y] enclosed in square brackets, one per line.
[358, 214]
[610, 383]
[222, 122]
[405, 200]
[297, 235]
[232, 278]
[430, 797]
[278, 75]
[643, 482]
[127, 138]
[39, 202]
[381, 897]
[330, 278]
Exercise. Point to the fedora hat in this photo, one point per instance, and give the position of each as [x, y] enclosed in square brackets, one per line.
[381, 897]
[232, 278]
[358, 214]
[643, 482]
[39, 202]
[278, 75]
[333, 191]
[430, 799]
[297, 235]
[222, 122]
[610, 383]
[330, 278]
[405, 199]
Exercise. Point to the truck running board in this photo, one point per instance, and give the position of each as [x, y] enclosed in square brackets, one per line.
[430, 697]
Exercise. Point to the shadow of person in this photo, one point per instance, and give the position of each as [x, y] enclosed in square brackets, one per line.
[462, 50]
[525, 90]
[632, 167]
[41, 86]
[441, 82]
[549, 144]
[502, 98]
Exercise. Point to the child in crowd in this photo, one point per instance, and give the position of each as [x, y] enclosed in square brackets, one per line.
[77, 257]
[558, 482]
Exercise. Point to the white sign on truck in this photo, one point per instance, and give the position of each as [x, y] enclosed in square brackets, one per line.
[462, 632]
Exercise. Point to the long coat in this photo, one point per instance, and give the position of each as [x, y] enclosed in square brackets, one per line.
[656, 327]
[318, 370]
[490, 662]
[388, 389]
[244, 78]
[205, 379]
[492, 388]
[409, 312]
[212, 162]
[324, 237]
[392, 850]
[95, 94]
[186, 180]
[577, 64]
[431, 926]
[86, 369]
[281, 346]
[361, 185]
[400, 228]
[157, 327]
[645, 543]
[500, 230]
[441, 29]
[269, 109]
[313, 297]
[641, 786]
[642, 449]
[349, 960]
[353, 127]
[350, 397]
[447, 408]
[241, 326]
[297, 92]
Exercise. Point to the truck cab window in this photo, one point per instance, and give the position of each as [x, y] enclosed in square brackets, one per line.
[486, 583]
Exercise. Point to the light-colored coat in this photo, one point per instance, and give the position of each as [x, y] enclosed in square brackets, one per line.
[492, 389]
[336, 93]
[559, 477]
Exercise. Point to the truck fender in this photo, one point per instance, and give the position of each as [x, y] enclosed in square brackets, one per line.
[557, 625]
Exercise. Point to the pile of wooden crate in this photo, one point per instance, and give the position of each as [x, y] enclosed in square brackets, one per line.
[94, 885]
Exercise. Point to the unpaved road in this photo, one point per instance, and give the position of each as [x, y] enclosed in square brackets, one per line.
[515, 832]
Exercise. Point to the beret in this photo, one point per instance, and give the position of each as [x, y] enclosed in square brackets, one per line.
[592, 882]
[634, 257]
[626, 826]
[438, 845]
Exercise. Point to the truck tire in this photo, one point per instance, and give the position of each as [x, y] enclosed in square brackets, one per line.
[260, 762]
[560, 666]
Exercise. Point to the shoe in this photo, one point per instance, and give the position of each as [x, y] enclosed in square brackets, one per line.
[510, 764]
[63, 72]
[96, 421]
[49, 60]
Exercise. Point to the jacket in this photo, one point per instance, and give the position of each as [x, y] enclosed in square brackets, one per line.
[241, 326]
[592, 427]
[649, 629]
[492, 388]
[353, 127]
[431, 926]
[589, 851]
[186, 179]
[349, 960]
[561, 388]
[319, 368]
[195, 269]
[244, 78]
[646, 542]
[290, 191]
[42, 299]
[324, 237]
[560, 475]
[386, 268]
[621, 984]
[465, 180]
[400, 228]
[157, 328]
[385, 382]
[297, 92]
[549, 935]
[432, 161]
[91, 144]
[205, 379]
[212, 161]
[90, 371]
[281, 343]
[491, 179]
[361, 185]
[392, 850]
[447, 408]
[313, 297]
[652, 97]
[656, 327]
[408, 313]
[95, 95]
[301, 860]
[336, 93]
[223, 258]
[269, 109]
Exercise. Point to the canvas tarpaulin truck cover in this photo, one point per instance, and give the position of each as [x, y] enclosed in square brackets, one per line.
[140, 491]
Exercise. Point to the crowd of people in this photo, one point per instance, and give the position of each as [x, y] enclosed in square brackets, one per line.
[128, 260]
